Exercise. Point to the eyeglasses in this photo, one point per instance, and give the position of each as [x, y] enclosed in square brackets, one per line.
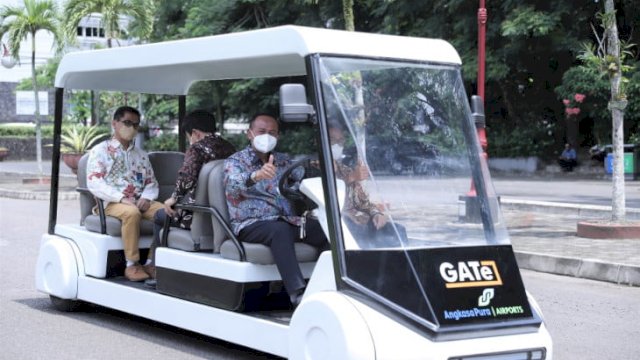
[129, 123]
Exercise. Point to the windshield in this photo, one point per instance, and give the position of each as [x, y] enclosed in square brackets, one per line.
[404, 144]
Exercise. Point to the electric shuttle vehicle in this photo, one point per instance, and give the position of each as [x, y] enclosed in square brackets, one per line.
[443, 283]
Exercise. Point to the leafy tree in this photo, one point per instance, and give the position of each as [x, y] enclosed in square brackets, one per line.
[608, 59]
[112, 11]
[530, 46]
[21, 23]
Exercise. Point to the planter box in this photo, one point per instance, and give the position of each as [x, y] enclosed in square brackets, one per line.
[523, 164]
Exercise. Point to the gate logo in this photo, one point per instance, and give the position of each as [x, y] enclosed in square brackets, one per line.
[470, 274]
[486, 297]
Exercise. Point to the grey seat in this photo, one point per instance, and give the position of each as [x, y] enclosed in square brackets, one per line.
[163, 163]
[165, 166]
[225, 242]
[200, 236]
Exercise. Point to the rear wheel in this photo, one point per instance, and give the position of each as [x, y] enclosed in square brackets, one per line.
[65, 305]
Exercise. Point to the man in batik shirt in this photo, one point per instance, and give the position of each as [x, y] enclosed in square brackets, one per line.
[200, 127]
[120, 174]
[259, 213]
[368, 224]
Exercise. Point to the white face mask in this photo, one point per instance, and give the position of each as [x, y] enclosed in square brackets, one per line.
[336, 151]
[127, 133]
[264, 143]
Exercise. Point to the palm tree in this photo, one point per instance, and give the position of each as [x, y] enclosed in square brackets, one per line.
[21, 22]
[141, 11]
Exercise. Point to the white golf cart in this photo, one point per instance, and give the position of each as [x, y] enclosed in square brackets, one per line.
[440, 284]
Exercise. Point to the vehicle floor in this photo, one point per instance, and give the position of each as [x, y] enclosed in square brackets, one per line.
[273, 306]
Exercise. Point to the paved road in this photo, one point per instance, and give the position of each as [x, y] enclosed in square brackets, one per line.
[587, 319]
[31, 329]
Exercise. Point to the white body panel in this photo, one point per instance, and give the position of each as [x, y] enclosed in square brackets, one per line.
[95, 246]
[235, 327]
[213, 265]
[278, 51]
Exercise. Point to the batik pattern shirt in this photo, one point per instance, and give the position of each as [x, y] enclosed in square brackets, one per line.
[114, 172]
[251, 202]
[210, 148]
[357, 206]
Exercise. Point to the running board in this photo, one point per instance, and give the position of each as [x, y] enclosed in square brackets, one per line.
[244, 329]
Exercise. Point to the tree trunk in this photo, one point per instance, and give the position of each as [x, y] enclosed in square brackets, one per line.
[349, 25]
[94, 113]
[616, 105]
[571, 126]
[347, 10]
[511, 112]
[37, 103]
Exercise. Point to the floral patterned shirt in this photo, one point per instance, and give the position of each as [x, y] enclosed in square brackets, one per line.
[210, 148]
[114, 172]
[357, 206]
[251, 202]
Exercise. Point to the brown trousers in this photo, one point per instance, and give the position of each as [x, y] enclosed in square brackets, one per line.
[131, 217]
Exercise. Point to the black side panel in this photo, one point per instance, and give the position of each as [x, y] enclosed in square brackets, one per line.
[206, 290]
[246, 297]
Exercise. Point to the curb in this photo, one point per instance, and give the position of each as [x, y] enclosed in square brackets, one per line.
[620, 274]
[582, 211]
[36, 195]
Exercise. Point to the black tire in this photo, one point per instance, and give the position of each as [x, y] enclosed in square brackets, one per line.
[65, 305]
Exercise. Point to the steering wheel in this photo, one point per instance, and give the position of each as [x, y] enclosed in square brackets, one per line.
[289, 183]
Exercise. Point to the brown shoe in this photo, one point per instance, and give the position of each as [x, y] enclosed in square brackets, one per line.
[150, 270]
[135, 273]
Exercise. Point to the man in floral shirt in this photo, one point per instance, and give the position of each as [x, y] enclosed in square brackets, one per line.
[368, 224]
[258, 212]
[120, 174]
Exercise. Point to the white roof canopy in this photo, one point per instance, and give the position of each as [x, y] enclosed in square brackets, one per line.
[171, 67]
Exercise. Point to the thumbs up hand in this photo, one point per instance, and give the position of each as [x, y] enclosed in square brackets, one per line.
[267, 171]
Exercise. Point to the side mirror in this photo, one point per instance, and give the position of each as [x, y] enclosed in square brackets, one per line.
[293, 104]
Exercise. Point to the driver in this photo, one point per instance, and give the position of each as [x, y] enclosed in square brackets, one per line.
[368, 224]
[257, 210]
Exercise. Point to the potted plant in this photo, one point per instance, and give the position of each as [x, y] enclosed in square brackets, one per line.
[76, 141]
[4, 152]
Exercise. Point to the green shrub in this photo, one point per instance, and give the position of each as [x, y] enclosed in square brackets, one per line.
[163, 142]
[519, 142]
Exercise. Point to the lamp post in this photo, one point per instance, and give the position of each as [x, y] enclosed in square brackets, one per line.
[472, 207]
[7, 60]
[482, 24]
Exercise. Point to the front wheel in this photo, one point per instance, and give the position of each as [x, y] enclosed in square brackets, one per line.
[328, 326]
[65, 305]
